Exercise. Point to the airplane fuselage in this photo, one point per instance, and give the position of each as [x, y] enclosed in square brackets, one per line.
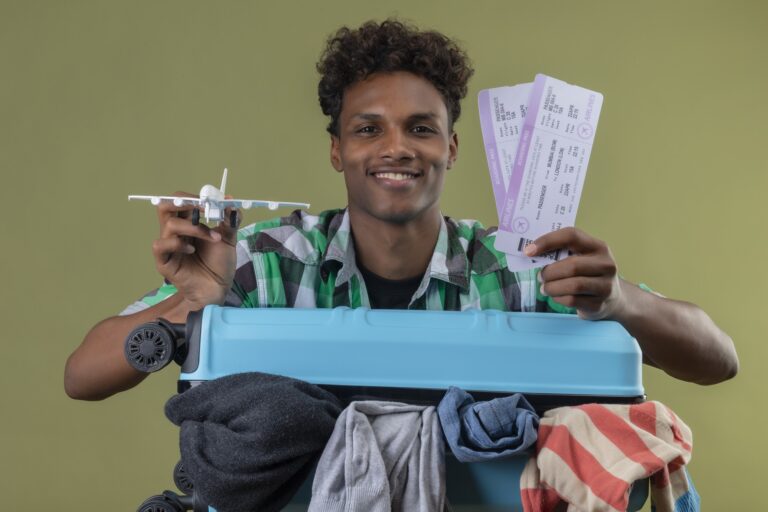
[210, 197]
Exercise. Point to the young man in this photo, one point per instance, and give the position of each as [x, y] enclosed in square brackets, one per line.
[393, 94]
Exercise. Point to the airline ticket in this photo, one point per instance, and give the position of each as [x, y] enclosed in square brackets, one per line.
[537, 187]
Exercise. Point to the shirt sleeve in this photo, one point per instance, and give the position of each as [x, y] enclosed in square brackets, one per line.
[648, 289]
[150, 299]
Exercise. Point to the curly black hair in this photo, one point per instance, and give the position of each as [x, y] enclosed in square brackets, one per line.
[352, 55]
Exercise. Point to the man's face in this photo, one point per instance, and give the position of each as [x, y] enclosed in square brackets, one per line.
[394, 146]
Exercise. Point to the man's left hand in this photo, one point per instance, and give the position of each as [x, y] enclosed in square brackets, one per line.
[587, 280]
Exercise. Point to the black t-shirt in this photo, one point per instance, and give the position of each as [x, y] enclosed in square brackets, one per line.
[389, 293]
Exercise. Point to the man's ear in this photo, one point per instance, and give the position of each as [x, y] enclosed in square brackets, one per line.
[453, 149]
[336, 153]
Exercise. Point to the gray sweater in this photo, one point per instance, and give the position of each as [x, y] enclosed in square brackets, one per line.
[382, 456]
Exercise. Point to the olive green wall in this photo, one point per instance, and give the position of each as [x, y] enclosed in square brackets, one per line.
[102, 99]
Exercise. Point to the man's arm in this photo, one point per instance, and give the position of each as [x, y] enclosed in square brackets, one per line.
[677, 337]
[98, 369]
[198, 261]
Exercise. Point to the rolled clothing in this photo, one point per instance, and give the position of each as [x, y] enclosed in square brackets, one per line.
[249, 440]
[480, 431]
[589, 456]
[382, 456]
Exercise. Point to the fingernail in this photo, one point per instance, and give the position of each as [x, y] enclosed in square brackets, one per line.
[539, 278]
[530, 249]
[541, 290]
[189, 249]
[216, 235]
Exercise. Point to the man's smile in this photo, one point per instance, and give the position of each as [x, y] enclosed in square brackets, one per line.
[394, 176]
[394, 173]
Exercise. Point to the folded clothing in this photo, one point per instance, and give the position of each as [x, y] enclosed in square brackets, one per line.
[382, 457]
[249, 440]
[478, 431]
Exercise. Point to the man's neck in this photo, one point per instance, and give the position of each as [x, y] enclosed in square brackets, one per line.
[395, 251]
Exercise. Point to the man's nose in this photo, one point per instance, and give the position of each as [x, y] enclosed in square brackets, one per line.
[395, 146]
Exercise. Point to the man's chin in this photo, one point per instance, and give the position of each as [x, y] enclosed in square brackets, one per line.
[409, 215]
[394, 216]
[399, 218]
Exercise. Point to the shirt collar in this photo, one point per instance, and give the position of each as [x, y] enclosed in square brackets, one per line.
[449, 261]
[340, 252]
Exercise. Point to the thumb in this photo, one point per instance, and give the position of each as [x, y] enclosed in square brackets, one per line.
[228, 227]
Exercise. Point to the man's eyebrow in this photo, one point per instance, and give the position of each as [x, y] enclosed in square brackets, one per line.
[423, 116]
[365, 116]
[419, 116]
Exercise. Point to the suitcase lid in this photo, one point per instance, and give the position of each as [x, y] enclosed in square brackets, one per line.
[485, 351]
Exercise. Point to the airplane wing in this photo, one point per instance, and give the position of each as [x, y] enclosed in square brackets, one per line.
[177, 201]
[256, 203]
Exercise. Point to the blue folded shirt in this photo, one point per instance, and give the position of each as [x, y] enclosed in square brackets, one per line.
[480, 431]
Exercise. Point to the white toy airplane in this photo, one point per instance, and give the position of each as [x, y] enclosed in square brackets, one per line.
[213, 203]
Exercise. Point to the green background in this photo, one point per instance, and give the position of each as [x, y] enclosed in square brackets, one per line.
[102, 99]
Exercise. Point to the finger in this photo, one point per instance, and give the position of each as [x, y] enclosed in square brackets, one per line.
[579, 265]
[176, 227]
[588, 306]
[573, 239]
[226, 229]
[590, 286]
[165, 249]
[166, 209]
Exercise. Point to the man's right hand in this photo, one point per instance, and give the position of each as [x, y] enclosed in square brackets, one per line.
[199, 261]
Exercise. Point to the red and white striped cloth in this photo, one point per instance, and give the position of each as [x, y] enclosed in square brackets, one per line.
[588, 457]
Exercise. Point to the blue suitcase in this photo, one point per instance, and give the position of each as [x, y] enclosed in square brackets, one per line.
[411, 356]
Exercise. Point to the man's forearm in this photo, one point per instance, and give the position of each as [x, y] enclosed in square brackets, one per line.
[98, 369]
[677, 337]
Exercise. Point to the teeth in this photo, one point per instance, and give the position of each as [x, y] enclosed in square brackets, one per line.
[394, 175]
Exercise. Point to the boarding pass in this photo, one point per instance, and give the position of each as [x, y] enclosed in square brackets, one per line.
[538, 138]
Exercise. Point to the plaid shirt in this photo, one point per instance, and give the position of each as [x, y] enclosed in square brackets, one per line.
[308, 261]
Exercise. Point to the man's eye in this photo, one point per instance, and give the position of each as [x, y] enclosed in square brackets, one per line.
[366, 129]
[423, 129]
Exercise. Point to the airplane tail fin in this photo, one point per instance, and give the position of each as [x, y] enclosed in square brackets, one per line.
[224, 181]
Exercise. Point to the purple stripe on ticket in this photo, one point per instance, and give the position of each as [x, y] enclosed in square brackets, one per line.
[513, 189]
[491, 153]
[502, 111]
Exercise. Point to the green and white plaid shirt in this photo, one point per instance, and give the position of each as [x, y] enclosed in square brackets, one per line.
[308, 261]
